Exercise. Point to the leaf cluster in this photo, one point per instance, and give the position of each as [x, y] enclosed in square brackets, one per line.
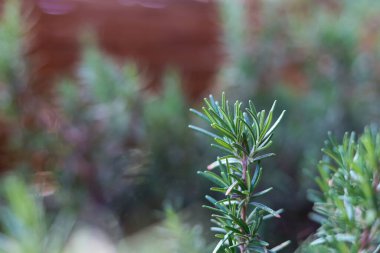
[244, 137]
[349, 206]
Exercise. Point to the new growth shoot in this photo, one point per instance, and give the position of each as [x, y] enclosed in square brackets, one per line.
[244, 136]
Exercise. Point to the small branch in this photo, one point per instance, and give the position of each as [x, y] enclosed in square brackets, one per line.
[243, 213]
[244, 163]
[234, 131]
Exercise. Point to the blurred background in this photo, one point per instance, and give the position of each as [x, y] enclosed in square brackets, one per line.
[95, 152]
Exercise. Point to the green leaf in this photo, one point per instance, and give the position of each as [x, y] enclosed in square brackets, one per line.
[256, 125]
[250, 130]
[262, 192]
[252, 107]
[213, 103]
[224, 131]
[221, 242]
[264, 143]
[236, 231]
[223, 161]
[216, 203]
[225, 123]
[219, 230]
[218, 189]
[201, 130]
[221, 148]
[213, 178]
[241, 183]
[280, 246]
[268, 216]
[268, 120]
[261, 117]
[231, 187]
[238, 221]
[214, 209]
[270, 131]
[207, 102]
[256, 176]
[265, 208]
[223, 101]
[223, 143]
[261, 157]
[199, 114]
[331, 154]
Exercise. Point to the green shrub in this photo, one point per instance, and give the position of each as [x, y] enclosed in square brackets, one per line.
[348, 206]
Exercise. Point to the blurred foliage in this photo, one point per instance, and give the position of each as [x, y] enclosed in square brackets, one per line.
[25, 224]
[348, 205]
[320, 60]
[100, 140]
[174, 234]
[97, 153]
[27, 227]
[187, 239]
[10, 32]
[104, 140]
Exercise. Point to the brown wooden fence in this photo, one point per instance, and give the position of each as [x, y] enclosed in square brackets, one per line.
[155, 34]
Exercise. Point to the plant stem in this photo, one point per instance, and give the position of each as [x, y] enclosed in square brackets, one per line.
[244, 163]
[243, 213]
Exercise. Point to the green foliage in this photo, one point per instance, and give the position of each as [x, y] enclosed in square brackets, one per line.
[10, 57]
[244, 136]
[107, 98]
[349, 206]
[173, 151]
[24, 223]
[175, 235]
[320, 60]
[186, 239]
[235, 39]
[10, 33]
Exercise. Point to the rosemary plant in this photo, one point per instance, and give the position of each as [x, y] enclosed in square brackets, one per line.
[25, 225]
[244, 137]
[349, 206]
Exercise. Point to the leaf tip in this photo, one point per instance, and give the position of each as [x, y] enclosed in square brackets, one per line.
[210, 167]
